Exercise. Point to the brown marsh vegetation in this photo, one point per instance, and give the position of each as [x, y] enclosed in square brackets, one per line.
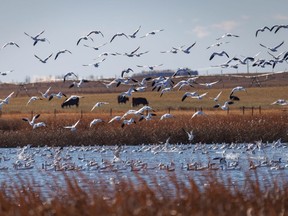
[267, 124]
[213, 197]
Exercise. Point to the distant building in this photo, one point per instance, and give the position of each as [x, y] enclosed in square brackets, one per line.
[180, 72]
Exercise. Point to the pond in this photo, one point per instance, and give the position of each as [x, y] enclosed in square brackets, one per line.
[110, 164]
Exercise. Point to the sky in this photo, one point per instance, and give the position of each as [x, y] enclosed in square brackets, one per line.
[184, 22]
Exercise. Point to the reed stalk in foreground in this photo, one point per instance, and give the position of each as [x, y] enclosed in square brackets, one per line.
[171, 197]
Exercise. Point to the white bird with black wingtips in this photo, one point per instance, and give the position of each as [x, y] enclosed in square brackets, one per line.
[273, 49]
[44, 60]
[11, 43]
[7, 99]
[95, 121]
[73, 127]
[98, 104]
[218, 54]
[61, 52]
[32, 122]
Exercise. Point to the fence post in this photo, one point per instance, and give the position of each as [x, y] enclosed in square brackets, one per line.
[243, 110]
[260, 110]
[169, 110]
[252, 110]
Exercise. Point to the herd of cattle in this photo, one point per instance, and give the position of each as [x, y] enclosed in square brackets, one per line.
[136, 101]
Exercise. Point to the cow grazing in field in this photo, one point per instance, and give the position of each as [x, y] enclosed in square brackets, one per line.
[71, 101]
[139, 100]
[122, 99]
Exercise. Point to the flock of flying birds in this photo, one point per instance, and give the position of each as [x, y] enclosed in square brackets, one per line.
[161, 83]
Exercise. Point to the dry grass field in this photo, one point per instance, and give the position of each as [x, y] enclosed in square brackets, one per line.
[127, 198]
[265, 122]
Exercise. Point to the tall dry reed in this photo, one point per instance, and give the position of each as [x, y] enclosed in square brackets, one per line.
[140, 198]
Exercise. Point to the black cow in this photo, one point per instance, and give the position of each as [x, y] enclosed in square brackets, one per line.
[71, 101]
[139, 100]
[122, 99]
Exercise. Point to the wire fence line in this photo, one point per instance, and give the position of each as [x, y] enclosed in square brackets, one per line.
[244, 110]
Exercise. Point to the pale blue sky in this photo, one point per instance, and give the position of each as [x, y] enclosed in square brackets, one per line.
[184, 22]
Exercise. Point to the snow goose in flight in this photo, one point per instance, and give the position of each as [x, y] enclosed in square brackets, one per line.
[273, 49]
[126, 71]
[96, 64]
[36, 38]
[4, 73]
[189, 94]
[281, 102]
[165, 90]
[11, 43]
[68, 75]
[133, 35]
[128, 93]
[78, 84]
[217, 44]
[131, 54]
[166, 116]
[95, 121]
[141, 53]
[45, 94]
[98, 104]
[83, 38]
[118, 35]
[264, 28]
[147, 117]
[33, 98]
[128, 122]
[39, 124]
[95, 48]
[225, 106]
[152, 33]
[145, 108]
[150, 67]
[200, 97]
[279, 27]
[217, 97]
[144, 81]
[187, 50]
[6, 100]
[218, 54]
[61, 52]
[32, 122]
[173, 50]
[95, 32]
[183, 83]
[236, 89]
[72, 127]
[197, 113]
[58, 95]
[189, 134]
[227, 35]
[130, 112]
[115, 118]
[44, 60]
[209, 85]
